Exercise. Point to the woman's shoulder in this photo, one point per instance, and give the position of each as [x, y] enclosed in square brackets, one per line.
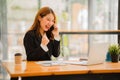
[30, 32]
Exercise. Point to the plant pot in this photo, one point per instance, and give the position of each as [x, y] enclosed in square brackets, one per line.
[119, 57]
[108, 57]
[114, 57]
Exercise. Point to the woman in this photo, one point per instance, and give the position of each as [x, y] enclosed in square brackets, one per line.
[42, 40]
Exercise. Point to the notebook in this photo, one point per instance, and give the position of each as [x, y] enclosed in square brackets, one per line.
[97, 54]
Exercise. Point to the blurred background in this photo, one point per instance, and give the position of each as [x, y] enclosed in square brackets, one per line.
[17, 16]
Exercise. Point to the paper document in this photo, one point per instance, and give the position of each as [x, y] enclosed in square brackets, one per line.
[74, 62]
[50, 63]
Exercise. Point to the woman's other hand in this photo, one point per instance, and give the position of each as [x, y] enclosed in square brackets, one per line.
[45, 40]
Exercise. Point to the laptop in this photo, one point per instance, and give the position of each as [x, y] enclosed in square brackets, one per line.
[96, 55]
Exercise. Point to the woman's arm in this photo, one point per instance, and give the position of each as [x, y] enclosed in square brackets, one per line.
[33, 49]
[56, 48]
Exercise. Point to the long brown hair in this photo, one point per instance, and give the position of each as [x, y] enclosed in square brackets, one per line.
[42, 13]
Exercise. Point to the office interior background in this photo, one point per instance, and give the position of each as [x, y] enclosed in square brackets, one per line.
[16, 17]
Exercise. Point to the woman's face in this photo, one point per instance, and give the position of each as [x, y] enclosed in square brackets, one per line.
[47, 21]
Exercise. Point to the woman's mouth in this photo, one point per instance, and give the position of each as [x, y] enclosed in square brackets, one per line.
[47, 27]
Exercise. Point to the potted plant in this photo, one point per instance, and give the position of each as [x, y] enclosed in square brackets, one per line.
[114, 51]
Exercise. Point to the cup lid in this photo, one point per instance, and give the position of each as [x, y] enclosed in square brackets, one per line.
[18, 54]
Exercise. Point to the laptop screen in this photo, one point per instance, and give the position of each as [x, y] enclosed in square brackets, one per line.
[97, 53]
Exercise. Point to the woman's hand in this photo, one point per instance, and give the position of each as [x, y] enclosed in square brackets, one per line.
[45, 40]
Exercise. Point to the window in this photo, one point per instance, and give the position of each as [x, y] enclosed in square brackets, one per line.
[71, 14]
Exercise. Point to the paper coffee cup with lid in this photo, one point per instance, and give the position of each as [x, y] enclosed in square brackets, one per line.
[18, 58]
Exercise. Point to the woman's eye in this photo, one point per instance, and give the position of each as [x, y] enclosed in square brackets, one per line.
[48, 19]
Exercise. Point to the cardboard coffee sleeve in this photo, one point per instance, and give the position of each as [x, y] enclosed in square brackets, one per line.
[18, 58]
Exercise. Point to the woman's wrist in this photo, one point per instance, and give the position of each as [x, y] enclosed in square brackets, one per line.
[44, 47]
[57, 38]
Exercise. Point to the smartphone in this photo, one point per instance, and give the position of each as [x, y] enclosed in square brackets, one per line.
[49, 32]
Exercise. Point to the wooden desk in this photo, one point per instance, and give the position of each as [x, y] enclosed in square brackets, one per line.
[65, 72]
